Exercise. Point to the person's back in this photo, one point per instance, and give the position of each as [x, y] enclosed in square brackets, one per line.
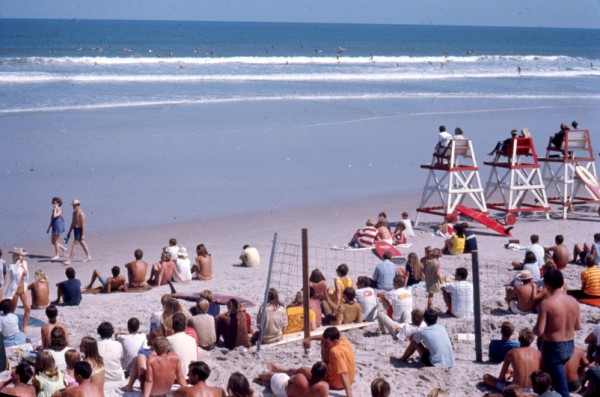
[402, 304]
[163, 369]
[524, 361]
[367, 300]
[85, 388]
[462, 298]
[182, 344]
[168, 268]
[40, 294]
[111, 352]
[576, 362]
[385, 272]
[71, 290]
[562, 314]
[200, 389]
[232, 326]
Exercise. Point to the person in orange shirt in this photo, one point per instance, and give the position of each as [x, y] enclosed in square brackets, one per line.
[590, 281]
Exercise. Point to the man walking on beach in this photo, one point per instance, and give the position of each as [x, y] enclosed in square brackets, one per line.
[558, 319]
[78, 229]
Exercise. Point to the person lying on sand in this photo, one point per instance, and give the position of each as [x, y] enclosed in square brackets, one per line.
[296, 383]
[115, 283]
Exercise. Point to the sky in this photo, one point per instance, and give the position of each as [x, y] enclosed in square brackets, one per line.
[532, 13]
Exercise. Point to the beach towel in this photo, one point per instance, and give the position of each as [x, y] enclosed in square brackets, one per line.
[98, 290]
[590, 301]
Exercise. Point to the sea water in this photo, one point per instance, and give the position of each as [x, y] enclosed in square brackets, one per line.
[71, 64]
[152, 122]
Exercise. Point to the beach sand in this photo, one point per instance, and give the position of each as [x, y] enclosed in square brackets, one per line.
[146, 203]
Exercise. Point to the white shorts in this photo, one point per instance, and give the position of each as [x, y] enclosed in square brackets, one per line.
[514, 308]
[278, 384]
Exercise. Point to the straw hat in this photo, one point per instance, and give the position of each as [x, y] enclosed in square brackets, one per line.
[18, 251]
[525, 275]
[75, 202]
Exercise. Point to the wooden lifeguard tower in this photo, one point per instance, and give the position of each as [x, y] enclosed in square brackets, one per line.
[560, 170]
[515, 175]
[453, 177]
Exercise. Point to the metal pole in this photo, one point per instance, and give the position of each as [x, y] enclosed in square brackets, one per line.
[305, 290]
[476, 305]
[264, 305]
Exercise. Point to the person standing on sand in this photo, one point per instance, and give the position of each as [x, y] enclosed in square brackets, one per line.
[558, 319]
[57, 224]
[78, 229]
[137, 270]
[16, 288]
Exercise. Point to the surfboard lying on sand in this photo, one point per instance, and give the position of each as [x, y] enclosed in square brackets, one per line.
[298, 336]
[589, 180]
[485, 220]
[381, 247]
[217, 298]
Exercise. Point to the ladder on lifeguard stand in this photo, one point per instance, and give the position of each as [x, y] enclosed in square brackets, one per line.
[514, 178]
[559, 170]
[453, 177]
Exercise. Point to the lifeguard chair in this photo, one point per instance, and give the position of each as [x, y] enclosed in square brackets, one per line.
[563, 167]
[453, 177]
[515, 175]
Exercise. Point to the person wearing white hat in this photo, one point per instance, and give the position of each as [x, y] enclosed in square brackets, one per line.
[78, 229]
[522, 298]
[16, 287]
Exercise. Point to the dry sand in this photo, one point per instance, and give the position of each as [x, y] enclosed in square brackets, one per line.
[330, 224]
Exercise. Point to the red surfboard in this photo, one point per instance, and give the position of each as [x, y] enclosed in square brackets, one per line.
[381, 247]
[485, 220]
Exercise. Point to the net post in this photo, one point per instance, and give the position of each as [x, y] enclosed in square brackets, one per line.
[305, 289]
[476, 306]
[263, 318]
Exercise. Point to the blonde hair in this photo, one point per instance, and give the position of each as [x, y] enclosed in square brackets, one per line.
[72, 357]
[171, 307]
[40, 275]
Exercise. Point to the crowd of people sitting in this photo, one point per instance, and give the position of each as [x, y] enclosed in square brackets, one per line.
[172, 352]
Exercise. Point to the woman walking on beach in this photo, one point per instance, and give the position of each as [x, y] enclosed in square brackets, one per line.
[57, 224]
[16, 288]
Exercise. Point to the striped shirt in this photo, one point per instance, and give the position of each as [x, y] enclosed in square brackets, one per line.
[590, 280]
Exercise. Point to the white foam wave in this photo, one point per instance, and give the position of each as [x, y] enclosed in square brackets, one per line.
[291, 60]
[234, 99]
[391, 76]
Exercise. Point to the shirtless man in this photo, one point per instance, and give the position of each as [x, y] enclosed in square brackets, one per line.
[576, 364]
[137, 270]
[302, 382]
[593, 250]
[19, 377]
[198, 373]
[163, 271]
[78, 229]
[522, 298]
[163, 370]
[558, 319]
[83, 372]
[524, 361]
[114, 283]
[560, 252]
[52, 314]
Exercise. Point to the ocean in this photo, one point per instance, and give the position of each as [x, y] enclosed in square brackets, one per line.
[73, 64]
[150, 122]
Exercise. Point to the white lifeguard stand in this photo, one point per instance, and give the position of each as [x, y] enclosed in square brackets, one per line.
[453, 177]
[559, 170]
[515, 175]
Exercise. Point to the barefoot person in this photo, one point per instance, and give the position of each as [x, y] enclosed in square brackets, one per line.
[115, 283]
[78, 229]
[57, 225]
[69, 290]
[40, 290]
[163, 370]
[524, 360]
[162, 272]
[558, 319]
[137, 270]
[198, 373]
[203, 265]
[16, 288]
